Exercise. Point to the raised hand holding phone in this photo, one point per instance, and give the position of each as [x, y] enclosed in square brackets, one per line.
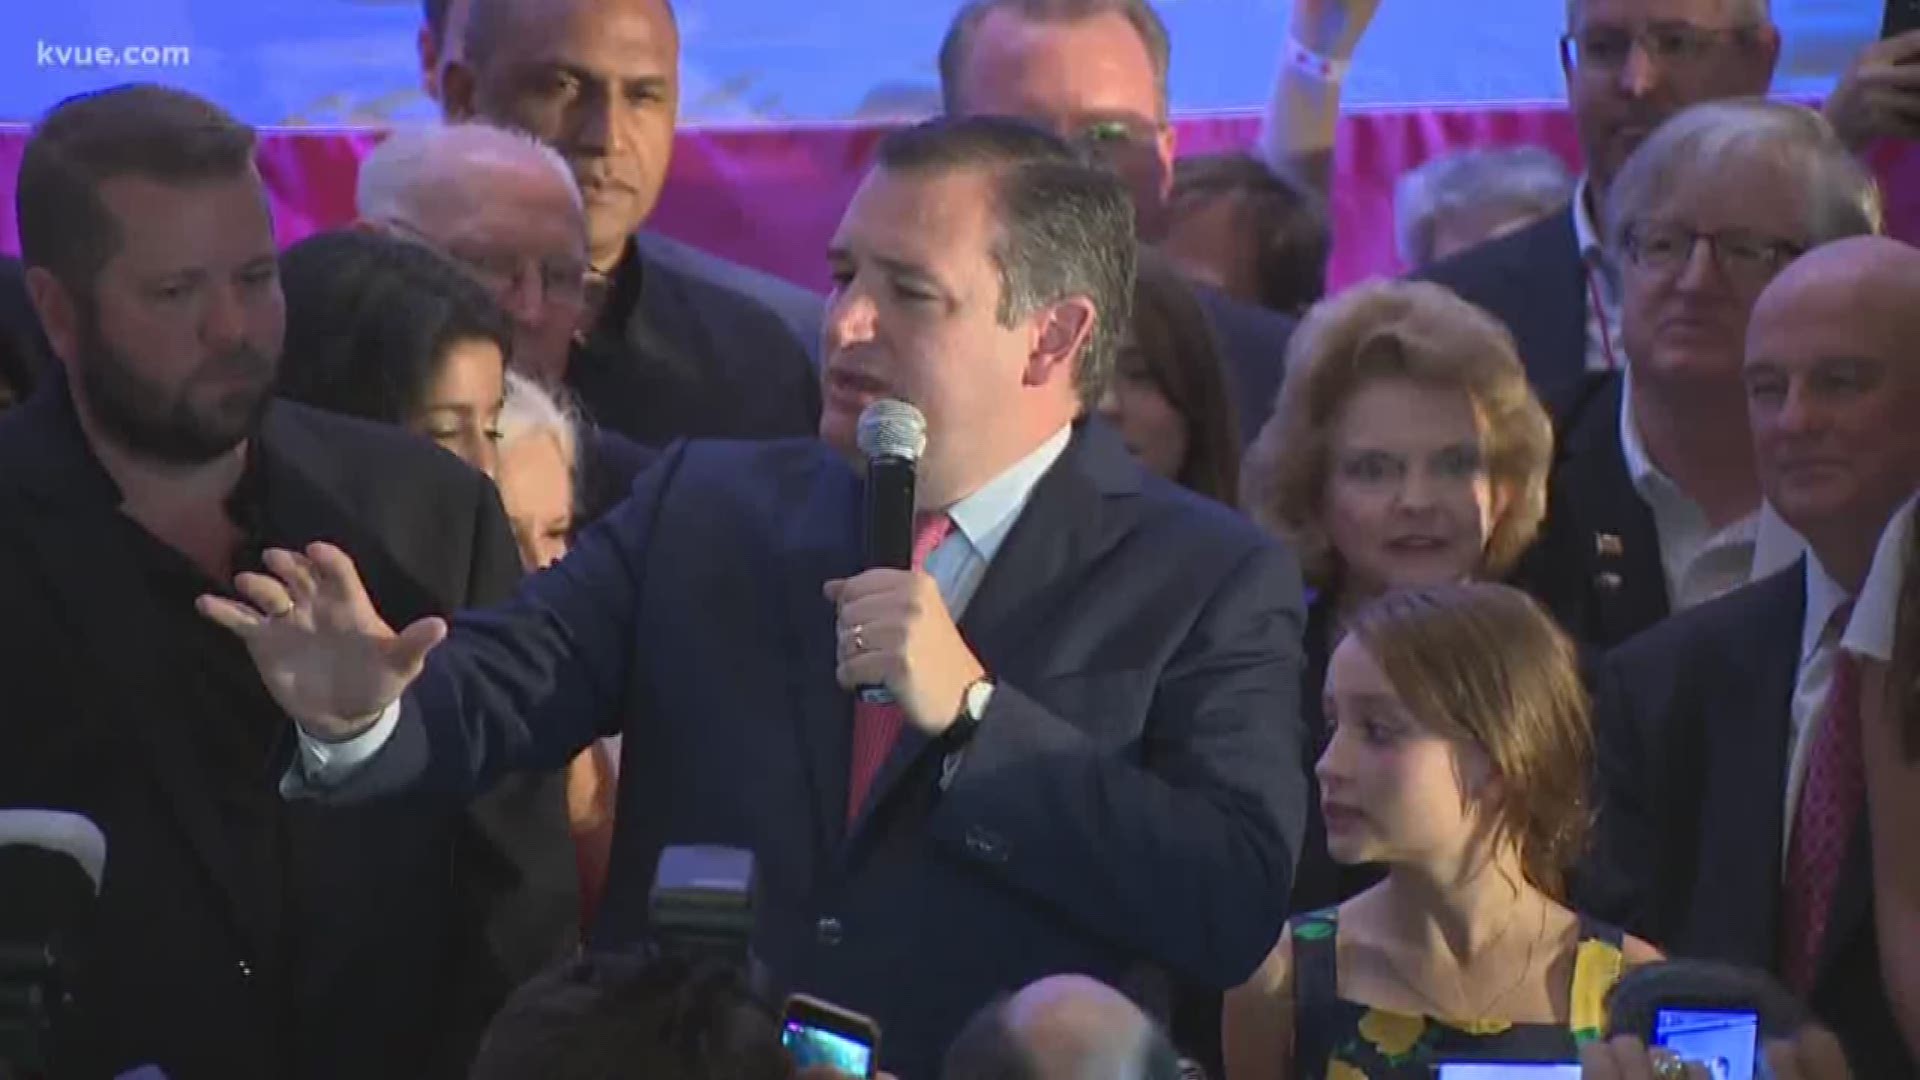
[1879, 96]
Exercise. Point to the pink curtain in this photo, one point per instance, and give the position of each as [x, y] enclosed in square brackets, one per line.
[770, 197]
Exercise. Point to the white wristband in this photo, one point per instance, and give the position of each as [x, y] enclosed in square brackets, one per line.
[1314, 65]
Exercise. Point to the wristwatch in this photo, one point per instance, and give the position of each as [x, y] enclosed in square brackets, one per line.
[973, 708]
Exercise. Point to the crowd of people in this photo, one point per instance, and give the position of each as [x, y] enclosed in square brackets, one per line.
[1285, 684]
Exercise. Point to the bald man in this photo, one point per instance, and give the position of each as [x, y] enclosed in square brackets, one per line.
[676, 342]
[1064, 1027]
[1733, 808]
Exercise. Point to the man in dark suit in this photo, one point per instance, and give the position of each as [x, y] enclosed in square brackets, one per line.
[1653, 504]
[1630, 64]
[1733, 821]
[1094, 769]
[237, 935]
[1095, 73]
[671, 345]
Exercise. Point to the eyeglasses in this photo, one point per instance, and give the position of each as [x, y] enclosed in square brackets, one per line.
[1604, 49]
[1111, 135]
[1741, 254]
[562, 281]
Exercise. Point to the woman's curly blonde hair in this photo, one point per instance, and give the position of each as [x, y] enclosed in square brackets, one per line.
[1397, 330]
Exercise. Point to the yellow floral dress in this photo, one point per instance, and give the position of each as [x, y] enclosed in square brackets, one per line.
[1337, 1039]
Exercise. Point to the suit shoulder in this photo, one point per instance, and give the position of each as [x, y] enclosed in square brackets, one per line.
[1472, 272]
[378, 455]
[1234, 322]
[1721, 626]
[1208, 533]
[719, 469]
[770, 290]
[718, 294]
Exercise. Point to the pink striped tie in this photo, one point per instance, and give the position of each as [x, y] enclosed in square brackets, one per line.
[876, 726]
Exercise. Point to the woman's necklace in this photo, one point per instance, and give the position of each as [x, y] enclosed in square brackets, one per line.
[1483, 1010]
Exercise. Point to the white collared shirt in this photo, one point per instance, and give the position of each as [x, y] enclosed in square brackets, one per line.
[1701, 562]
[1820, 641]
[981, 522]
[1602, 274]
[1875, 616]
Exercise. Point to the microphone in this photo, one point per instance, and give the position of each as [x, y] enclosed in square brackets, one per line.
[892, 434]
[53, 862]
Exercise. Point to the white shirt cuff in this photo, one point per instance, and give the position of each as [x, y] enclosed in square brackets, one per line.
[321, 764]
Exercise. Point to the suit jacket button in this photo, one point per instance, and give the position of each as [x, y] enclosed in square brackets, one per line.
[986, 845]
[244, 967]
[828, 930]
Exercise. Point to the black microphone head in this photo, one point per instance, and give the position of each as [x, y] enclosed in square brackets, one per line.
[890, 428]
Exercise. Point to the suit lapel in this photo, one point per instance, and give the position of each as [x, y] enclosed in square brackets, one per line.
[1066, 524]
[1552, 277]
[1611, 526]
[1742, 805]
[821, 545]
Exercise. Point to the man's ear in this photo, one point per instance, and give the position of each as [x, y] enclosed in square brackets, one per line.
[459, 91]
[1061, 335]
[59, 312]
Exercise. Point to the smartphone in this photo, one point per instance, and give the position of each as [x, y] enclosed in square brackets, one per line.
[1506, 1070]
[817, 1032]
[1726, 1041]
[1902, 16]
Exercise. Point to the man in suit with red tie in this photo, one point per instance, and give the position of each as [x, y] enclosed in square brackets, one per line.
[1733, 790]
[1091, 763]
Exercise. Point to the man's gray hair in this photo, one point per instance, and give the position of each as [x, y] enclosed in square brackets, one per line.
[1731, 142]
[1066, 227]
[408, 170]
[1747, 14]
[1139, 13]
[1520, 181]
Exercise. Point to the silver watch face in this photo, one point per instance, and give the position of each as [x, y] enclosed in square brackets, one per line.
[974, 701]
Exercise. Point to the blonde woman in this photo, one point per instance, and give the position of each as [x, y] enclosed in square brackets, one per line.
[1406, 448]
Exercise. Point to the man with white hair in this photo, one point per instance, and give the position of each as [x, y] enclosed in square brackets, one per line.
[1063, 1027]
[497, 203]
[1629, 65]
[1654, 505]
[503, 206]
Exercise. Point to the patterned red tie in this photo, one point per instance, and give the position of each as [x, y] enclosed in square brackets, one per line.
[1831, 801]
[876, 725]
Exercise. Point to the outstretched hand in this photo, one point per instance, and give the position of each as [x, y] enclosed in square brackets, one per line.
[323, 651]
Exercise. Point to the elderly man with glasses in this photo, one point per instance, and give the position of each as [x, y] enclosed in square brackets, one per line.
[503, 207]
[1655, 505]
[1631, 64]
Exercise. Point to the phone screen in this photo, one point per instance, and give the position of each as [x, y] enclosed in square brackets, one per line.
[1506, 1070]
[1725, 1041]
[810, 1045]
